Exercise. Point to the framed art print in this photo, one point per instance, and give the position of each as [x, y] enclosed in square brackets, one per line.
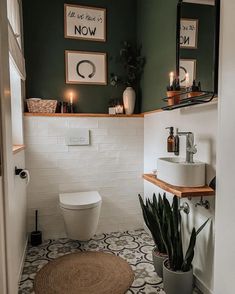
[86, 67]
[85, 23]
[188, 33]
[187, 66]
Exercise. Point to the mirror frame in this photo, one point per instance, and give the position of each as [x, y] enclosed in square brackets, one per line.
[216, 42]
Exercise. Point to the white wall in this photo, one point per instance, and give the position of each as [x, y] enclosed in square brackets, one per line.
[202, 121]
[113, 165]
[225, 216]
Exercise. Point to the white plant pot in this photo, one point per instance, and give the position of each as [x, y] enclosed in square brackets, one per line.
[158, 259]
[177, 282]
[129, 98]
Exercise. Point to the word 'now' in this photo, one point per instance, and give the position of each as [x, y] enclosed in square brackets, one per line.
[84, 31]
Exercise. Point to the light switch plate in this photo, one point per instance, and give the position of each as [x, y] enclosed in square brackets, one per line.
[78, 137]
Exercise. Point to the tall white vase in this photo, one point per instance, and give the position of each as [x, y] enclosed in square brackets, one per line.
[129, 98]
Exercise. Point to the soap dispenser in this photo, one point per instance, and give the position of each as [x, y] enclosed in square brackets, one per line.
[177, 143]
[171, 140]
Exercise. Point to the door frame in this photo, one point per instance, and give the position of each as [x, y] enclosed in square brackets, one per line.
[6, 171]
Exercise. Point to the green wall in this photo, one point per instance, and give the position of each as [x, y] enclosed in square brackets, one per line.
[45, 45]
[157, 33]
[204, 54]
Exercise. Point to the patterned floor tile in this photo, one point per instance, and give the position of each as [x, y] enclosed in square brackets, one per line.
[134, 246]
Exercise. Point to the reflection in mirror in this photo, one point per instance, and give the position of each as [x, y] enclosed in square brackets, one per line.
[198, 53]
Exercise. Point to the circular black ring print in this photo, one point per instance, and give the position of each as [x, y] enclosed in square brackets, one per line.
[184, 76]
[91, 75]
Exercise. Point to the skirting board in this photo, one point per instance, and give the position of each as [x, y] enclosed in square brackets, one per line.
[22, 260]
[201, 286]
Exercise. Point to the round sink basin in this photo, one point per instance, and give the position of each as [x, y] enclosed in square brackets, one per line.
[175, 171]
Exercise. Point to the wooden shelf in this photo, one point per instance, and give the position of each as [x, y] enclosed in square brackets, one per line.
[182, 192]
[17, 148]
[83, 115]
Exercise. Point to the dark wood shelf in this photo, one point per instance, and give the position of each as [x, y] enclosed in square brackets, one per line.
[182, 192]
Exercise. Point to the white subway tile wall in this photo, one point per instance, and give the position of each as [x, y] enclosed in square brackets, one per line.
[112, 164]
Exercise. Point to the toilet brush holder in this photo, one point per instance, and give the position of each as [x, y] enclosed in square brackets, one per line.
[36, 236]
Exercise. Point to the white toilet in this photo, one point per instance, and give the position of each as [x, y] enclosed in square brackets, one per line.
[81, 213]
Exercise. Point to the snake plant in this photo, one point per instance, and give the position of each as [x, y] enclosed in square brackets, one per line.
[153, 217]
[172, 236]
[164, 222]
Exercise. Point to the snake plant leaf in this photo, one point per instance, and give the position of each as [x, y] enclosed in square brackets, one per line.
[202, 226]
[180, 244]
[160, 205]
[155, 204]
[152, 221]
[143, 211]
[190, 252]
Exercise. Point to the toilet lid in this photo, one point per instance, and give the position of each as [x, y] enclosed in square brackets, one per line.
[80, 200]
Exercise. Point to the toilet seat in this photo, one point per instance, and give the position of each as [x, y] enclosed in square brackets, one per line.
[79, 200]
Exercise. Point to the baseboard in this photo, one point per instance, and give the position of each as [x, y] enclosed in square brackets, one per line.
[22, 260]
[201, 286]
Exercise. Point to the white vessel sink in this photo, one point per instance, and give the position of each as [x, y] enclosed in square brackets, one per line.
[176, 172]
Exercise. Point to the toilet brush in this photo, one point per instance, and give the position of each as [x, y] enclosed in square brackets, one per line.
[36, 236]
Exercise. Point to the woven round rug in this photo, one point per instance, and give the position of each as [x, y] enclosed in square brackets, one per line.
[85, 273]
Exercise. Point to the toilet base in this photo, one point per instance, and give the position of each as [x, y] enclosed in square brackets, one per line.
[81, 224]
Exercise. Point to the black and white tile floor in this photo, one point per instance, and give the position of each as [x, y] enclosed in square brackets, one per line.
[134, 246]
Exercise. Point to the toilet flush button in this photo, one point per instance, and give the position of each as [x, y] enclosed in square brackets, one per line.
[78, 137]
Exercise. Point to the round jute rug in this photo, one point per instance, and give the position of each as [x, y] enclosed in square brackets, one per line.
[85, 273]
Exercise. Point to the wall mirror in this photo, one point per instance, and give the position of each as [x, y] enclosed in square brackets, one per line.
[198, 43]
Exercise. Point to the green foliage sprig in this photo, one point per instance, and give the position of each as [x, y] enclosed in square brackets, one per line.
[133, 65]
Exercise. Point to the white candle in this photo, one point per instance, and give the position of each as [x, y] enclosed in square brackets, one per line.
[187, 80]
[171, 78]
[71, 98]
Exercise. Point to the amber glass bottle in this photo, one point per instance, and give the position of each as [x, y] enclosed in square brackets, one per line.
[171, 140]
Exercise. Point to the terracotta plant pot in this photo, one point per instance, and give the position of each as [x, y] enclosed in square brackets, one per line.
[158, 259]
[194, 94]
[177, 282]
[173, 97]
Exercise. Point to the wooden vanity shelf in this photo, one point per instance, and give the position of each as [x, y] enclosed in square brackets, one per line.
[182, 192]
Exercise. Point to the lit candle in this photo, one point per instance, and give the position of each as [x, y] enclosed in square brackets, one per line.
[171, 78]
[187, 80]
[71, 98]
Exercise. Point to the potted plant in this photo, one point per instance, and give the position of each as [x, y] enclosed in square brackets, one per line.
[177, 269]
[153, 216]
[133, 65]
[195, 90]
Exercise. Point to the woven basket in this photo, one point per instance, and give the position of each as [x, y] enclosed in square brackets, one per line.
[42, 106]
